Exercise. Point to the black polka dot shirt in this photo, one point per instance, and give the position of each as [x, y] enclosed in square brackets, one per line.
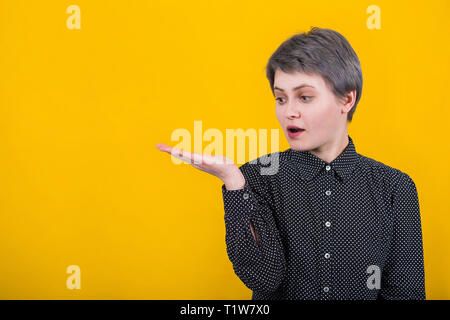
[348, 229]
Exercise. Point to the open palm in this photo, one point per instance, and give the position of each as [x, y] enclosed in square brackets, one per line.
[218, 166]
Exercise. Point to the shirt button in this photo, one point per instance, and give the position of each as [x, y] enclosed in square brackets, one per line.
[327, 255]
[328, 192]
[245, 195]
[326, 289]
[328, 223]
[328, 168]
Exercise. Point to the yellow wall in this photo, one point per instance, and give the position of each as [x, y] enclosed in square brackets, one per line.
[81, 182]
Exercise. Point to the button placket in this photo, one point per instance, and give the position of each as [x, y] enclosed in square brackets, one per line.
[327, 233]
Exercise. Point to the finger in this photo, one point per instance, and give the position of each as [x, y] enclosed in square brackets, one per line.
[220, 160]
[183, 155]
[177, 153]
[163, 147]
[187, 156]
[174, 151]
[196, 158]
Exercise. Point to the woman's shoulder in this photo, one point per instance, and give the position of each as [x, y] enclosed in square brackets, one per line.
[381, 171]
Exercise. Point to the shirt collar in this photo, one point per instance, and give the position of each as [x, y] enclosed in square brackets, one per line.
[310, 165]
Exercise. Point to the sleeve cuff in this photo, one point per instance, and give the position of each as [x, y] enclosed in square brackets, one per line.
[238, 201]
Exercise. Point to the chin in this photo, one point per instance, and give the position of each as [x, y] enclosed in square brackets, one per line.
[298, 146]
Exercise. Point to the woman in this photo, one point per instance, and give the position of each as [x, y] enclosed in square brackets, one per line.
[330, 223]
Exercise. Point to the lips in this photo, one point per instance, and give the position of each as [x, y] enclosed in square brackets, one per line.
[294, 131]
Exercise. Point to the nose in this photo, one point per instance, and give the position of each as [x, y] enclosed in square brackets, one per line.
[292, 110]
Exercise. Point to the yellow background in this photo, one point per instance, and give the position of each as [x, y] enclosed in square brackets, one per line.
[81, 182]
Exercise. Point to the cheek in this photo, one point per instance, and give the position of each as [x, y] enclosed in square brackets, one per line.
[324, 116]
[317, 119]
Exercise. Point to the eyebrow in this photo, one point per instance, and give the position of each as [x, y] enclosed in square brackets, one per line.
[296, 88]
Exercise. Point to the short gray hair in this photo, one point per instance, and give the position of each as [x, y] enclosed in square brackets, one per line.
[322, 51]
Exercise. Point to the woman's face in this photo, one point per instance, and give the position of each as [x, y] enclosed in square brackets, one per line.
[312, 107]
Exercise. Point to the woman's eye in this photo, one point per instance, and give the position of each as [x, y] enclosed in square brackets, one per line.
[309, 98]
[304, 98]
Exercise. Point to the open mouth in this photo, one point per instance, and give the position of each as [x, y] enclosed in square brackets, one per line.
[294, 129]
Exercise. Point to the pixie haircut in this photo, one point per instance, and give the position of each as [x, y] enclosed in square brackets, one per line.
[324, 52]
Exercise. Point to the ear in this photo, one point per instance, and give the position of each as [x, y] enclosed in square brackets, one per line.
[348, 101]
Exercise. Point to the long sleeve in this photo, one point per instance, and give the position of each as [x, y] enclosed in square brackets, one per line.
[403, 276]
[260, 265]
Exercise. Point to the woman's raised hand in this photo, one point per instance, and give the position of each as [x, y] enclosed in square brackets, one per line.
[219, 166]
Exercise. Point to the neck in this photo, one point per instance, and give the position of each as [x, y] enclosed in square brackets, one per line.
[331, 149]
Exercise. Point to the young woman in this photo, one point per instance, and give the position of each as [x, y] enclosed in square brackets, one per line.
[330, 223]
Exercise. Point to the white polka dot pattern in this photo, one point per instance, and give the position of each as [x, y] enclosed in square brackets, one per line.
[321, 225]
